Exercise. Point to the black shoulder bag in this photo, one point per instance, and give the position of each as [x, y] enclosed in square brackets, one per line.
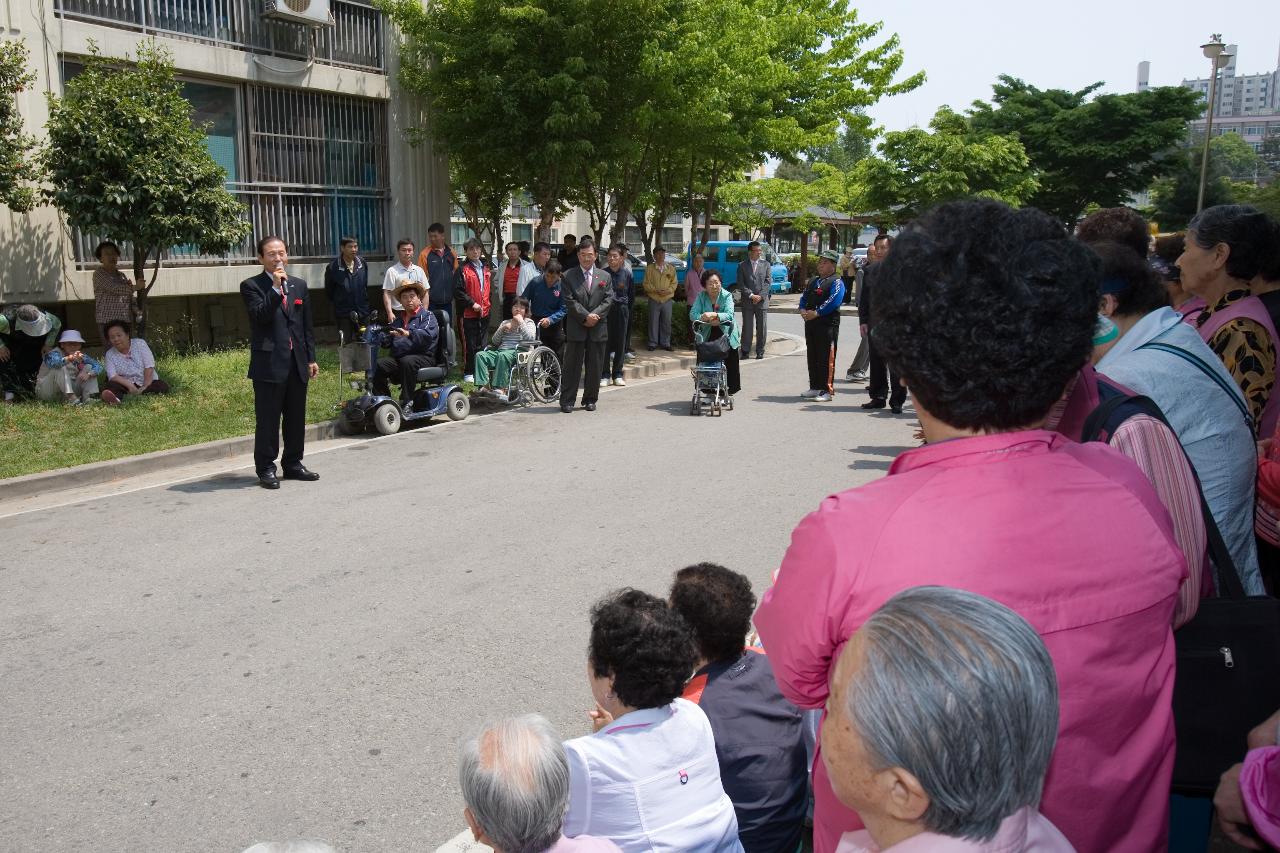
[1228, 655]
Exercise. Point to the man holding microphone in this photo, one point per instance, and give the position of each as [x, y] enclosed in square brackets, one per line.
[282, 359]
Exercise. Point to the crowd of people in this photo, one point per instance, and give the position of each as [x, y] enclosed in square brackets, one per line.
[1095, 418]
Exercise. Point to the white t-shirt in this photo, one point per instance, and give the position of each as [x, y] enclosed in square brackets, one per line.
[130, 366]
[660, 763]
[397, 271]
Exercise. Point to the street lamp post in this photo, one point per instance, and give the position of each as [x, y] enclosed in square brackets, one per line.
[1215, 52]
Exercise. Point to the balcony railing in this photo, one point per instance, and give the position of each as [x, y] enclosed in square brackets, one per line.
[311, 221]
[355, 40]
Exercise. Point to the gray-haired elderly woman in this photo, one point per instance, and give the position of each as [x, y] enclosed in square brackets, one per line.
[940, 725]
[515, 782]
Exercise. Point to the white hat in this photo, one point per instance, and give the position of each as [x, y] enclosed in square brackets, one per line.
[32, 321]
[70, 336]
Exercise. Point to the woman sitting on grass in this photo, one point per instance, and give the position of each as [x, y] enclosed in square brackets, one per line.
[131, 368]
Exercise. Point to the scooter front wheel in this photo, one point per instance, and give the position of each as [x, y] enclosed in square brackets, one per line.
[386, 419]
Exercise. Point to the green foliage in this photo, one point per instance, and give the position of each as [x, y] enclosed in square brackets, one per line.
[851, 145]
[1266, 199]
[754, 205]
[1174, 196]
[126, 162]
[1235, 157]
[18, 168]
[1082, 150]
[917, 169]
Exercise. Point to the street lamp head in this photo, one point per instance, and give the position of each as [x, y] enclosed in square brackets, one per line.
[1213, 50]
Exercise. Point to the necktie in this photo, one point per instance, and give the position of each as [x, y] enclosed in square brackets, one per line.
[284, 303]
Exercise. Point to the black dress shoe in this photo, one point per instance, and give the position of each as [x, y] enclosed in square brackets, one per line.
[567, 409]
[874, 403]
[267, 479]
[897, 410]
[759, 356]
[590, 407]
[300, 473]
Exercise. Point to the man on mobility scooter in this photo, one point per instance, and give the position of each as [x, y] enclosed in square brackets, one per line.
[412, 339]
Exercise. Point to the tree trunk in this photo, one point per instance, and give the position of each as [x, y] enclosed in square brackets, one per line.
[139, 271]
[804, 259]
[646, 237]
[708, 206]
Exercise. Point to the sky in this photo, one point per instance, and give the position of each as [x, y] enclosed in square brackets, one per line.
[963, 47]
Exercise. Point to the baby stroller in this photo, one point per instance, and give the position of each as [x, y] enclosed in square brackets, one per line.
[710, 380]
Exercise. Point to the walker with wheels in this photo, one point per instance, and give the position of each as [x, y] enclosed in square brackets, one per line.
[710, 378]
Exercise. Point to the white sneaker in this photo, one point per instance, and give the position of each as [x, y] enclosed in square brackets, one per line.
[810, 394]
[823, 397]
[619, 381]
[604, 383]
[469, 378]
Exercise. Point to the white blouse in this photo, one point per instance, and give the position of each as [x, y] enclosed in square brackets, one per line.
[130, 366]
[650, 781]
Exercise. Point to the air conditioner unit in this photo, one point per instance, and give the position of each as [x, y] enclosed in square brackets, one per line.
[313, 13]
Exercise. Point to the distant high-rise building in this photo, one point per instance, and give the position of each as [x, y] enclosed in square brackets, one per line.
[1144, 76]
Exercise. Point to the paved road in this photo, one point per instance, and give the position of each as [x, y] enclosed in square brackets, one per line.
[197, 666]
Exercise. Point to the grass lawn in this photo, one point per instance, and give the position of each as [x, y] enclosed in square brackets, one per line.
[211, 399]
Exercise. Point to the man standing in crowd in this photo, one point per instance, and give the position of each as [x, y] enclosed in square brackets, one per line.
[440, 264]
[857, 371]
[516, 274]
[660, 287]
[569, 254]
[754, 278]
[624, 296]
[884, 383]
[412, 339]
[472, 288]
[541, 255]
[847, 268]
[546, 306]
[403, 270]
[820, 309]
[588, 297]
[346, 283]
[282, 360]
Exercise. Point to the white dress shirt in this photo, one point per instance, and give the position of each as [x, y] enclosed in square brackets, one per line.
[650, 783]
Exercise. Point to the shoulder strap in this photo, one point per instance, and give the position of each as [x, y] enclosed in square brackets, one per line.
[1230, 390]
[1218, 551]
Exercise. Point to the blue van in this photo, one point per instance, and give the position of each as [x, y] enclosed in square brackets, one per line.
[723, 256]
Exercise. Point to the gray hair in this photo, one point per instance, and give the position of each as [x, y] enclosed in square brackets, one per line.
[515, 780]
[290, 847]
[961, 692]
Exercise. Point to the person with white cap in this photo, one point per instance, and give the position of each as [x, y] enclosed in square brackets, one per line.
[67, 374]
[27, 334]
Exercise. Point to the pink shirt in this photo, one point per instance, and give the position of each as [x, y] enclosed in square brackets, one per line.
[583, 844]
[1073, 538]
[1024, 831]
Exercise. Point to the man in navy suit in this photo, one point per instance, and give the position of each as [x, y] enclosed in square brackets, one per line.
[282, 359]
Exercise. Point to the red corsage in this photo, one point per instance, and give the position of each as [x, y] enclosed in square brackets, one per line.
[297, 302]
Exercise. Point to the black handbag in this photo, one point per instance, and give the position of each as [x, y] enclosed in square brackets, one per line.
[1228, 656]
[716, 349]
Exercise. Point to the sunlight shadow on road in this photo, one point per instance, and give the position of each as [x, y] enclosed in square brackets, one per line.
[220, 483]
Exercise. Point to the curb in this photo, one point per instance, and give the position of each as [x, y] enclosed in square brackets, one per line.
[845, 310]
[98, 473]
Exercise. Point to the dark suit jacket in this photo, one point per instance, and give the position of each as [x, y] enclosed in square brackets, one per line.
[757, 284]
[587, 297]
[865, 293]
[272, 329]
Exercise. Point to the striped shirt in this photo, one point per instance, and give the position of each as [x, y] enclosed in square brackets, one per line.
[526, 331]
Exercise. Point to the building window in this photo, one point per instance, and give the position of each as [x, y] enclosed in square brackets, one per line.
[459, 233]
[522, 207]
[521, 231]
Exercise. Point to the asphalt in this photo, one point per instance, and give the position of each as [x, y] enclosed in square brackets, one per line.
[196, 664]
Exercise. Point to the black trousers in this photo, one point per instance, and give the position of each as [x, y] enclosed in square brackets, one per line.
[619, 322]
[577, 356]
[820, 336]
[277, 407]
[884, 382]
[552, 336]
[508, 299]
[403, 371]
[474, 331]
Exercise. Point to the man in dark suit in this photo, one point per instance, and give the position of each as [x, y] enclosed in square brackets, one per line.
[588, 296]
[755, 277]
[282, 359]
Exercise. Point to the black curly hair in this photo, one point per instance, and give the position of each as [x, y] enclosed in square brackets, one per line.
[986, 312]
[1122, 225]
[644, 645]
[1145, 291]
[1269, 269]
[717, 603]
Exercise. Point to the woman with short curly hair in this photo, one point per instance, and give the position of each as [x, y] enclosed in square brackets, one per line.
[987, 313]
[652, 753]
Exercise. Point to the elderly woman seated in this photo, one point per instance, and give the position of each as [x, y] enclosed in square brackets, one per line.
[759, 734]
[493, 365]
[653, 753]
[515, 782]
[940, 725]
[131, 368]
[67, 374]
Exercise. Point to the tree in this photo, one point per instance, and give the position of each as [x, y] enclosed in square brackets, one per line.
[1174, 196]
[851, 145]
[1266, 199]
[1089, 151]
[127, 163]
[1237, 159]
[18, 167]
[917, 168]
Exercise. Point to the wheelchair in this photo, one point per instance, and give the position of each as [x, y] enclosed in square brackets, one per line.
[535, 376]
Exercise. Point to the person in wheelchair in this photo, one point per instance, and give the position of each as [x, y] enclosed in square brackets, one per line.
[493, 365]
[412, 339]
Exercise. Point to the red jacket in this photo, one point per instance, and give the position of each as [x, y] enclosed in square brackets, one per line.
[472, 288]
